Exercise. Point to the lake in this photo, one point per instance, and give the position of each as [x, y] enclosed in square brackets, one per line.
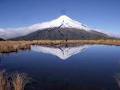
[85, 67]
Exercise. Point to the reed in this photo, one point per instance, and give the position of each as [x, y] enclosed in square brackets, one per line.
[16, 81]
[3, 80]
[19, 81]
[14, 46]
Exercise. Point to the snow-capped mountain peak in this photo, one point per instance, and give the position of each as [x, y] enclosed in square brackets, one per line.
[63, 21]
[64, 17]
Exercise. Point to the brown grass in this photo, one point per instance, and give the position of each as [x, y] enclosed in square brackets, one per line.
[14, 46]
[17, 81]
[3, 80]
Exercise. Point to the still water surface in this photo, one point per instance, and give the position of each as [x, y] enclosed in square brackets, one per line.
[86, 67]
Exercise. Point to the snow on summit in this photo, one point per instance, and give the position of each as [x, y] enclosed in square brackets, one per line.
[67, 22]
[63, 21]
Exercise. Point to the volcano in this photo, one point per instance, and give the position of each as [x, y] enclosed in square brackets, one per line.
[59, 29]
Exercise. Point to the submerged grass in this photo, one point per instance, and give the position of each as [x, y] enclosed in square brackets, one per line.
[117, 78]
[14, 46]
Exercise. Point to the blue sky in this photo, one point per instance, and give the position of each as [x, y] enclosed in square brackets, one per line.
[101, 14]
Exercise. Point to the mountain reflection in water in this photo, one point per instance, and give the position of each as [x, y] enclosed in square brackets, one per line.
[86, 67]
[63, 52]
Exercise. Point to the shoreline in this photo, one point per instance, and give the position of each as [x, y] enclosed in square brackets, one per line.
[15, 46]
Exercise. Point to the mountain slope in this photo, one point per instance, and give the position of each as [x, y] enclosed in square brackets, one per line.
[63, 20]
[63, 33]
[60, 28]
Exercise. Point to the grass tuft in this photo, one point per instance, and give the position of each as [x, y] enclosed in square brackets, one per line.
[19, 81]
[16, 81]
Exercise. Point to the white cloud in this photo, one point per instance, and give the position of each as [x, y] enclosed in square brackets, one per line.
[15, 32]
[68, 22]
